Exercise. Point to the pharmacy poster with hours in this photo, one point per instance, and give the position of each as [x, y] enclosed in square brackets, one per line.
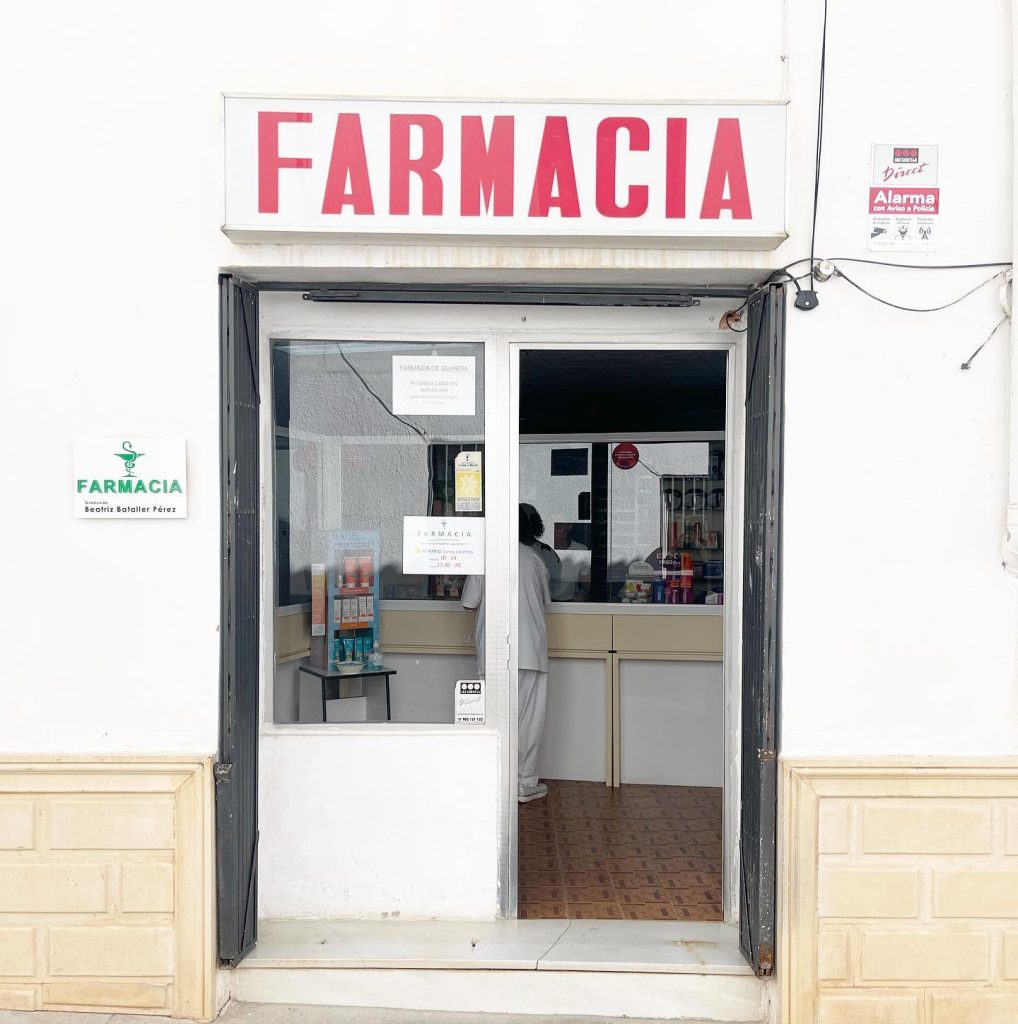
[443, 546]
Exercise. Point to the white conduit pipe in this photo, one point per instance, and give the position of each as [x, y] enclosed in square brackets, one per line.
[1009, 546]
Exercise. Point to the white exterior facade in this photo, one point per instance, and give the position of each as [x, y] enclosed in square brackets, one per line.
[900, 625]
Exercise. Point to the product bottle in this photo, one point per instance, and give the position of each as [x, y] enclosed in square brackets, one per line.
[375, 657]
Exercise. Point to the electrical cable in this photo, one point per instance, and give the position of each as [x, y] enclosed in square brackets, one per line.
[756, 352]
[917, 309]
[886, 263]
[918, 266]
[760, 289]
[820, 147]
[967, 365]
[770, 279]
[378, 399]
[413, 426]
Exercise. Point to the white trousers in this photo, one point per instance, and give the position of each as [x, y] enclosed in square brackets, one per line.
[533, 700]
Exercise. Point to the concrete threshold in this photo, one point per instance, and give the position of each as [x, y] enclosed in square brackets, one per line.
[275, 1013]
[657, 947]
[601, 969]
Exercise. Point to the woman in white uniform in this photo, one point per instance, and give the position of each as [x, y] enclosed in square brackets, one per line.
[535, 599]
[473, 600]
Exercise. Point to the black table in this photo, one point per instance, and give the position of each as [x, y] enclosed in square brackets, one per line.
[331, 679]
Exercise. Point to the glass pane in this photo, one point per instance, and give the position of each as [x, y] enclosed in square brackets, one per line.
[615, 525]
[556, 480]
[368, 434]
[667, 524]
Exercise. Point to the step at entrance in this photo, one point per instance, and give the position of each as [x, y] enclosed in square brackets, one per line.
[657, 969]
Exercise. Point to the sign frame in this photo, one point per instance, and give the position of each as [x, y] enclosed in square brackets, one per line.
[302, 149]
[149, 481]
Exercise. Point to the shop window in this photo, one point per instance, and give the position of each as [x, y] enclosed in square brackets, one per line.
[372, 442]
[644, 525]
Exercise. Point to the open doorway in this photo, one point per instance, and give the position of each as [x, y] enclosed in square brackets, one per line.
[622, 465]
[306, 768]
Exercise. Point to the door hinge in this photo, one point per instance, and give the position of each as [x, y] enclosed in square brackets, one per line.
[766, 756]
[223, 771]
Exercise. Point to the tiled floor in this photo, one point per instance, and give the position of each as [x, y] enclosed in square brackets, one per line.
[642, 853]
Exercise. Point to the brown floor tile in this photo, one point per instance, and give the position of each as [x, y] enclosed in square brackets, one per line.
[590, 894]
[635, 897]
[594, 911]
[538, 862]
[649, 912]
[542, 894]
[639, 852]
[571, 878]
[636, 880]
[572, 863]
[544, 877]
[542, 911]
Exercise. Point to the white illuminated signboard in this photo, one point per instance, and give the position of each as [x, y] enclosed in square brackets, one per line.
[681, 174]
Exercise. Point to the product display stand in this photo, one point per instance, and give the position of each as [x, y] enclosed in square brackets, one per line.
[352, 613]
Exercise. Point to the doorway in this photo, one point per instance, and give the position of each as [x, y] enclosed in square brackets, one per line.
[622, 461]
[377, 314]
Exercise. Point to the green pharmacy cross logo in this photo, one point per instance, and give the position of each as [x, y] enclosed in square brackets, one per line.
[130, 457]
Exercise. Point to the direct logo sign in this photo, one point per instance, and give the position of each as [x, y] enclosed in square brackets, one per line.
[111, 481]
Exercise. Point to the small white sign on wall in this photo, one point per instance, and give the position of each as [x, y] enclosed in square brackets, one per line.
[469, 700]
[904, 198]
[443, 546]
[130, 477]
[433, 385]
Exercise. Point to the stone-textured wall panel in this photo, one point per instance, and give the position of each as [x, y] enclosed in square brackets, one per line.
[900, 892]
[92, 855]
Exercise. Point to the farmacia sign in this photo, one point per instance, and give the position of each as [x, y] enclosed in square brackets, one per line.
[702, 175]
[130, 478]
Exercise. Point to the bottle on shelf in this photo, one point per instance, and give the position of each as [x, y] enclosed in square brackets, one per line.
[375, 656]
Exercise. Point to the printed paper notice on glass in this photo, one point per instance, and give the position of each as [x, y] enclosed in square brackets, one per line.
[443, 546]
[468, 482]
[433, 385]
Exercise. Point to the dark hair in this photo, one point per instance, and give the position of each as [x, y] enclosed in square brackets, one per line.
[526, 527]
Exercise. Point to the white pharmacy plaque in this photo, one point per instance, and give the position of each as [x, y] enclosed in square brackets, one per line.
[130, 477]
[433, 385]
[443, 546]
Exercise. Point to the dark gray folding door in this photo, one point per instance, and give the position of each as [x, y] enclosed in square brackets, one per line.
[761, 624]
[236, 772]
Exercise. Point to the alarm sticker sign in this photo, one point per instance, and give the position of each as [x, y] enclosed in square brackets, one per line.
[904, 198]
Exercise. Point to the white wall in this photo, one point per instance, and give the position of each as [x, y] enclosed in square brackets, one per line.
[354, 827]
[900, 623]
[110, 197]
